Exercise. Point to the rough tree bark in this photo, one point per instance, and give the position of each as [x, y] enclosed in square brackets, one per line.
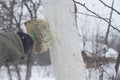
[65, 52]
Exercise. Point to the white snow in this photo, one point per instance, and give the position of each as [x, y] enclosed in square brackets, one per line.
[93, 74]
[38, 73]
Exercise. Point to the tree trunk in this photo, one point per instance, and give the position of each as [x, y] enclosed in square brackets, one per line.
[29, 64]
[17, 71]
[9, 72]
[65, 52]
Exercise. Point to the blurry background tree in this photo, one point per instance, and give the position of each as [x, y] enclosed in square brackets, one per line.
[100, 22]
[13, 14]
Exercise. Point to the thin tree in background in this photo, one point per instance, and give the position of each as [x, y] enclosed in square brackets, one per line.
[108, 21]
[11, 19]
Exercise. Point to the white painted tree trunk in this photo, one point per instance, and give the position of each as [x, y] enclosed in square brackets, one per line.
[65, 52]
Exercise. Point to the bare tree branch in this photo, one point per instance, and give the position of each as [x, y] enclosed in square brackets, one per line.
[11, 12]
[110, 7]
[35, 6]
[75, 13]
[20, 17]
[90, 15]
[108, 30]
[5, 6]
[96, 15]
[28, 8]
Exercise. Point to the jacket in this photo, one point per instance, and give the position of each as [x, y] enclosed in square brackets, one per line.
[11, 48]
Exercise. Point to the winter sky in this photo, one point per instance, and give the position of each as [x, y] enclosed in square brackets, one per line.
[99, 8]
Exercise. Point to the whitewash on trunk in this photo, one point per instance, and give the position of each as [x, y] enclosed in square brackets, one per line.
[65, 52]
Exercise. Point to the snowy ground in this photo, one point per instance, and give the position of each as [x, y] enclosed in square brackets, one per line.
[93, 74]
[38, 73]
[46, 73]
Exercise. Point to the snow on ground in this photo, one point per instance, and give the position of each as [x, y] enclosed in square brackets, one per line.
[46, 73]
[38, 73]
[94, 74]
